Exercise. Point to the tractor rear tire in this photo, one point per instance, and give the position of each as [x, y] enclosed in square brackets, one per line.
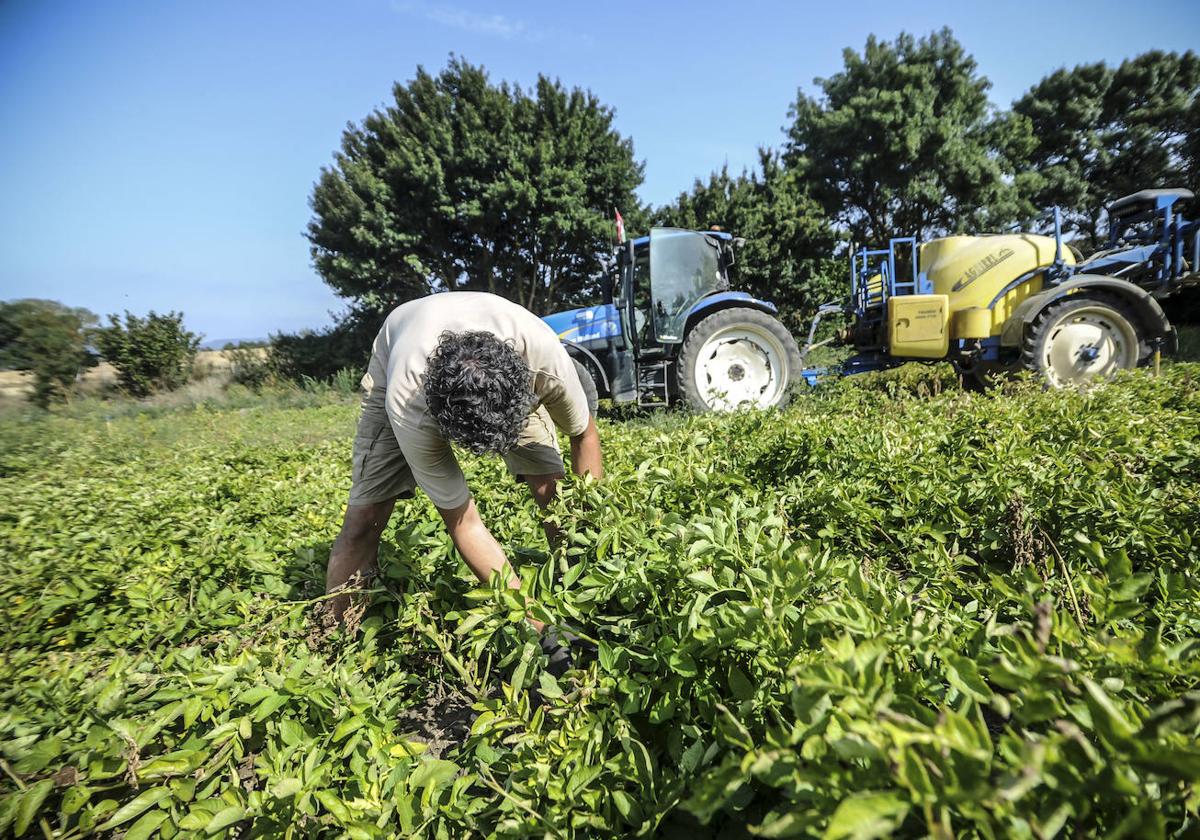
[738, 357]
[589, 387]
[1081, 339]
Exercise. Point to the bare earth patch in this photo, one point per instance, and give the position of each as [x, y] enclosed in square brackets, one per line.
[442, 721]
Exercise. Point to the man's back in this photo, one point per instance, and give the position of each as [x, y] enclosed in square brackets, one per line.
[411, 332]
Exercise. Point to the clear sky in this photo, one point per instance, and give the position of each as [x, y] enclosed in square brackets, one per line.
[159, 154]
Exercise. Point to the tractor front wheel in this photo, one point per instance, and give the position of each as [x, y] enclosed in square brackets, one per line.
[738, 358]
[1081, 339]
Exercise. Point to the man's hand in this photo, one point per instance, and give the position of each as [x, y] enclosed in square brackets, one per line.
[585, 452]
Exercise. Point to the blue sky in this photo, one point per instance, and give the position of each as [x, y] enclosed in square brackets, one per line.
[159, 155]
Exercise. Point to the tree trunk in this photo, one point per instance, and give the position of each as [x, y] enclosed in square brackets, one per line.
[548, 303]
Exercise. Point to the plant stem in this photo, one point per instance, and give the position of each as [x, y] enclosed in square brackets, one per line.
[1066, 575]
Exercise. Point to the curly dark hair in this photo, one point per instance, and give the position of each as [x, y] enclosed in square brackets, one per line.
[479, 389]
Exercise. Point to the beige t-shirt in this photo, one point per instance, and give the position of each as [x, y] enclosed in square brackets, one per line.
[402, 348]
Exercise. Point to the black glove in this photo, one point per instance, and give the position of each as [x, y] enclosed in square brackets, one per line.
[556, 644]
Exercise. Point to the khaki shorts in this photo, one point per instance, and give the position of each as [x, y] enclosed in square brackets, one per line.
[381, 474]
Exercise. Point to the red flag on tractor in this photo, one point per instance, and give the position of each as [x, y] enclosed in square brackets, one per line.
[620, 227]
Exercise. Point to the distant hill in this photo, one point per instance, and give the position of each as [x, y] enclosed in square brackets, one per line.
[219, 343]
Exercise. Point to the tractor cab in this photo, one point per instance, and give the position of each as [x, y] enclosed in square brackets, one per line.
[660, 291]
[658, 279]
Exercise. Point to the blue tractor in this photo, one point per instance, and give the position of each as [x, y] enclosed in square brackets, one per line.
[671, 330]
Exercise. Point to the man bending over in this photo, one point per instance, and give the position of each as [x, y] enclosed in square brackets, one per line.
[467, 368]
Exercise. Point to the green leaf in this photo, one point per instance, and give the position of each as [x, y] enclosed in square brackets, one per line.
[29, 802]
[225, 818]
[1109, 721]
[912, 773]
[199, 814]
[683, 664]
[347, 727]
[690, 759]
[146, 825]
[144, 800]
[790, 824]
[269, 706]
[39, 756]
[254, 694]
[192, 707]
[627, 807]
[1171, 762]
[963, 674]
[433, 773]
[867, 815]
[642, 762]
[1132, 588]
[471, 622]
[334, 805]
[739, 683]
[527, 655]
[286, 787]
[172, 764]
[548, 686]
[74, 798]
[291, 732]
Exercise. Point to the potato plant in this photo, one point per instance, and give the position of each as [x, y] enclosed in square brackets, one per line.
[894, 608]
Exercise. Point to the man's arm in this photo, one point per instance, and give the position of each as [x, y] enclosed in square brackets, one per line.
[475, 542]
[585, 452]
[478, 547]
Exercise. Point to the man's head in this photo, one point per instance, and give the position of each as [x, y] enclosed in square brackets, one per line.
[479, 390]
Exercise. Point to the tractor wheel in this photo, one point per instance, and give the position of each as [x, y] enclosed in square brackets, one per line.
[589, 386]
[738, 357]
[1082, 339]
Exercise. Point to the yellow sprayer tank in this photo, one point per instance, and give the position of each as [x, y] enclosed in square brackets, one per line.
[967, 274]
[972, 270]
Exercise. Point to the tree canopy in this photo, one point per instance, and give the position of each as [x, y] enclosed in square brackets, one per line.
[788, 254]
[47, 339]
[901, 141]
[150, 354]
[462, 184]
[1098, 133]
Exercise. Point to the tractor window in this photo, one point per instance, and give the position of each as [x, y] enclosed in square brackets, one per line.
[641, 296]
[684, 267]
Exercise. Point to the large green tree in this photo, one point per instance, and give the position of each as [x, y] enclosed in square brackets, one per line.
[903, 141]
[47, 339]
[788, 256]
[1097, 133]
[465, 184]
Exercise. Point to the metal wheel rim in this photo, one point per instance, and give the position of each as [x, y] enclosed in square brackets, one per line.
[741, 365]
[1087, 344]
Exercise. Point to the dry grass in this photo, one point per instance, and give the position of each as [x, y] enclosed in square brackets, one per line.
[211, 373]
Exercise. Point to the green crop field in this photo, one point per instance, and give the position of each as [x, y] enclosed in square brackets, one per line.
[893, 607]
